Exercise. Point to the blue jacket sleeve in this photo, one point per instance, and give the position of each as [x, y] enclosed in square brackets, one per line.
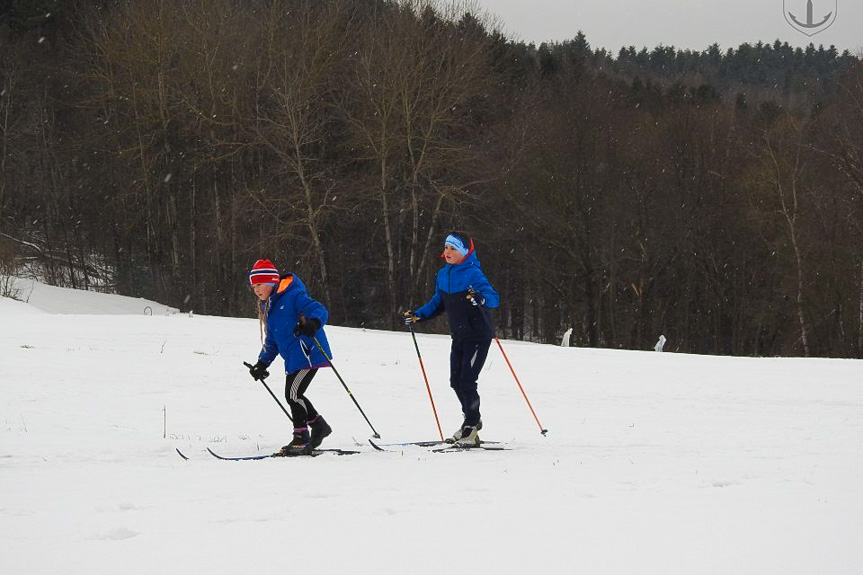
[432, 308]
[269, 351]
[311, 309]
[481, 284]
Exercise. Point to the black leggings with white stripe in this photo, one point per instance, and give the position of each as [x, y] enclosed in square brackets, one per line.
[296, 384]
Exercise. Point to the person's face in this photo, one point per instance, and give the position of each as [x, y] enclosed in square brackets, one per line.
[451, 255]
[263, 291]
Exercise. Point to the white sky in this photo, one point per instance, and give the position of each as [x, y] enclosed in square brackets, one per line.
[692, 24]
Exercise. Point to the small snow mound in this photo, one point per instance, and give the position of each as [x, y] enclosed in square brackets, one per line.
[118, 534]
[9, 306]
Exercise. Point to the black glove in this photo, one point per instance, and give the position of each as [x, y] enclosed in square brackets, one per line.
[308, 328]
[475, 297]
[410, 317]
[258, 371]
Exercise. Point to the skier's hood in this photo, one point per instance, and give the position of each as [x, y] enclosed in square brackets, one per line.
[470, 259]
[287, 283]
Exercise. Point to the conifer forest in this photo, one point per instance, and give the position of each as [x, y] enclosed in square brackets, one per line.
[157, 148]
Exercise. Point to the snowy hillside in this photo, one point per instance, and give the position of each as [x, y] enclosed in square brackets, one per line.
[654, 462]
[52, 299]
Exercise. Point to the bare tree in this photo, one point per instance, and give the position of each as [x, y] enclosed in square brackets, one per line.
[415, 73]
[782, 174]
[9, 72]
[305, 46]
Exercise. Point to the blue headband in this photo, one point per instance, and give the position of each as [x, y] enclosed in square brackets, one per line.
[457, 244]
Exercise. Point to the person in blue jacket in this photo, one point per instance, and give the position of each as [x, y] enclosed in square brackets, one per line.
[465, 294]
[291, 321]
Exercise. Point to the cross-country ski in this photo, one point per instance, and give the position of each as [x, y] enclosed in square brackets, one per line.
[438, 446]
[277, 455]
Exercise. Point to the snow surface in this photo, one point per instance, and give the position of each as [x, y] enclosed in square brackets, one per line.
[654, 462]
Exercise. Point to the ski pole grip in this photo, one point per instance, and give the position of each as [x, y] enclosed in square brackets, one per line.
[265, 375]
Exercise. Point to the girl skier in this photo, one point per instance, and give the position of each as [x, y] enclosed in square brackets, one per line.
[463, 291]
[291, 321]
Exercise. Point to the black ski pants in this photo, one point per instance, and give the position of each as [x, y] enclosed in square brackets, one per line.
[466, 359]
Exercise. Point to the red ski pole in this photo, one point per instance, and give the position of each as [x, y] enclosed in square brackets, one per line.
[541, 429]
[425, 377]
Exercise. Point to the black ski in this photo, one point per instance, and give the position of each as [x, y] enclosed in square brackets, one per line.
[439, 446]
[453, 447]
[384, 446]
[314, 453]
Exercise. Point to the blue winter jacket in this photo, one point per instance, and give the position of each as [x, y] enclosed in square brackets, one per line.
[287, 302]
[467, 322]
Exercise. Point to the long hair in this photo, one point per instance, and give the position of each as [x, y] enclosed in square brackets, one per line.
[263, 310]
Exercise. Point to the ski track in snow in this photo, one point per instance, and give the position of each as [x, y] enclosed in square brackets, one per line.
[654, 462]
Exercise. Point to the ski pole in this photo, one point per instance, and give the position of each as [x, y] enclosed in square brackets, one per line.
[320, 347]
[541, 429]
[264, 383]
[425, 377]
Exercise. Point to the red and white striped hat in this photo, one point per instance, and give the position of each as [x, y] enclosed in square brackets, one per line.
[264, 272]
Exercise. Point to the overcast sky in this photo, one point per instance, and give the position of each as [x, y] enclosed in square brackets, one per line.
[692, 24]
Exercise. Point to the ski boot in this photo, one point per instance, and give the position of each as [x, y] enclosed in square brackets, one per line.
[299, 445]
[320, 429]
[458, 434]
[468, 436]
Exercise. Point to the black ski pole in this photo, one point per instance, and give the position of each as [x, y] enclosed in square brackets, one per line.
[320, 347]
[264, 383]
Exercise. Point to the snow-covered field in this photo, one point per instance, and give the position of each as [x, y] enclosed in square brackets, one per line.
[654, 462]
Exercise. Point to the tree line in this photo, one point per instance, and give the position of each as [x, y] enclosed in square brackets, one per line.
[157, 148]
